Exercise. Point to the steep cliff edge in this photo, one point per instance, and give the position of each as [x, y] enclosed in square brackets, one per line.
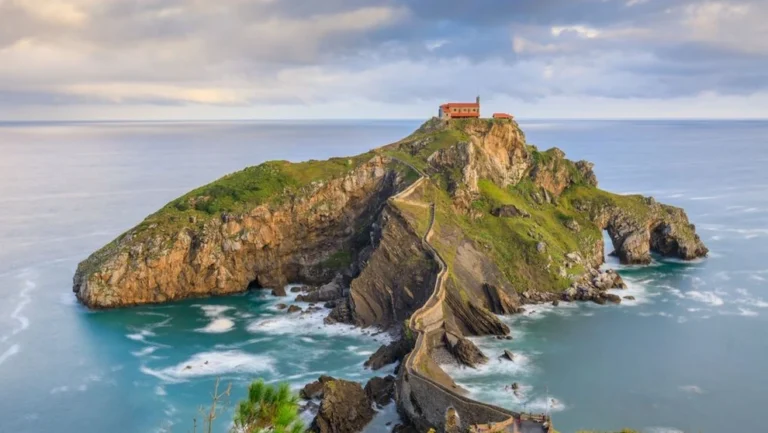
[264, 226]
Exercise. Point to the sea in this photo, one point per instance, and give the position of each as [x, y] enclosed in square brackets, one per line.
[689, 354]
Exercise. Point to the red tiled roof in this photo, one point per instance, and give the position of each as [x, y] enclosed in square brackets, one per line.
[461, 104]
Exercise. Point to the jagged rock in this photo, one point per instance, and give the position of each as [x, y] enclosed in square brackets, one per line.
[388, 354]
[327, 292]
[585, 168]
[555, 303]
[610, 297]
[297, 289]
[629, 298]
[464, 350]
[483, 322]
[380, 390]
[572, 225]
[405, 428]
[498, 301]
[536, 297]
[509, 211]
[294, 309]
[314, 389]
[279, 291]
[573, 257]
[345, 408]
[330, 304]
[281, 306]
[508, 355]
[608, 279]
[341, 313]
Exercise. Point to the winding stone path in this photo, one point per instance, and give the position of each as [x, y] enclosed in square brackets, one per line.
[429, 318]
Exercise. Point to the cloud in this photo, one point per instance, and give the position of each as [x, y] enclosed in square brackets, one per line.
[260, 53]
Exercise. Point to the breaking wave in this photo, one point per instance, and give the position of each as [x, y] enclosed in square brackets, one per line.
[213, 364]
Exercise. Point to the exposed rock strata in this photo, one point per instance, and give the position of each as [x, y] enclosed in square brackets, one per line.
[272, 244]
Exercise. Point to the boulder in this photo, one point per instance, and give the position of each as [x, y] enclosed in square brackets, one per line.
[509, 211]
[572, 225]
[629, 298]
[388, 354]
[345, 408]
[610, 297]
[297, 289]
[509, 356]
[327, 292]
[541, 247]
[281, 306]
[464, 350]
[609, 279]
[380, 390]
[314, 389]
[294, 309]
[280, 291]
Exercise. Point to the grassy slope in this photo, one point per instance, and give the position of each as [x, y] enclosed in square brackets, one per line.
[270, 182]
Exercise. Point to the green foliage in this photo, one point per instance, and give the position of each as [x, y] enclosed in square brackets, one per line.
[338, 260]
[268, 409]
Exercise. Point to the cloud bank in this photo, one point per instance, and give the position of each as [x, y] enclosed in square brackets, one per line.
[390, 58]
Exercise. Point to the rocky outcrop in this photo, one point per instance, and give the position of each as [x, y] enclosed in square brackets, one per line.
[499, 301]
[380, 390]
[345, 408]
[389, 354]
[464, 350]
[397, 278]
[638, 226]
[475, 319]
[314, 390]
[327, 292]
[290, 240]
[509, 211]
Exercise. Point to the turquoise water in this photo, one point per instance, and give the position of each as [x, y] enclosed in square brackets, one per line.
[687, 355]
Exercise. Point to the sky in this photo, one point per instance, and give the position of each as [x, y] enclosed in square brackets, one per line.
[282, 59]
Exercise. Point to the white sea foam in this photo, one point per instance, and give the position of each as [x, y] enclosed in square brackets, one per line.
[709, 298]
[214, 310]
[309, 324]
[218, 323]
[59, 389]
[693, 389]
[218, 326]
[24, 299]
[14, 349]
[213, 364]
[141, 335]
[521, 366]
[159, 390]
[145, 351]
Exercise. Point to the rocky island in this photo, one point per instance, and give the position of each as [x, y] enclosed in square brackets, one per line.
[429, 238]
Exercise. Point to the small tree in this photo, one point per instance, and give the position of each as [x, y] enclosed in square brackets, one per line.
[268, 409]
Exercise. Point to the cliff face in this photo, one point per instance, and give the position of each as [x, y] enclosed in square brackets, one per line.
[295, 239]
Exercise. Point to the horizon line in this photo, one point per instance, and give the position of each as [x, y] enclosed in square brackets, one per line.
[381, 119]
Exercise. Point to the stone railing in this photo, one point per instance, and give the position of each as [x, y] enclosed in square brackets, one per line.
[431, 397]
